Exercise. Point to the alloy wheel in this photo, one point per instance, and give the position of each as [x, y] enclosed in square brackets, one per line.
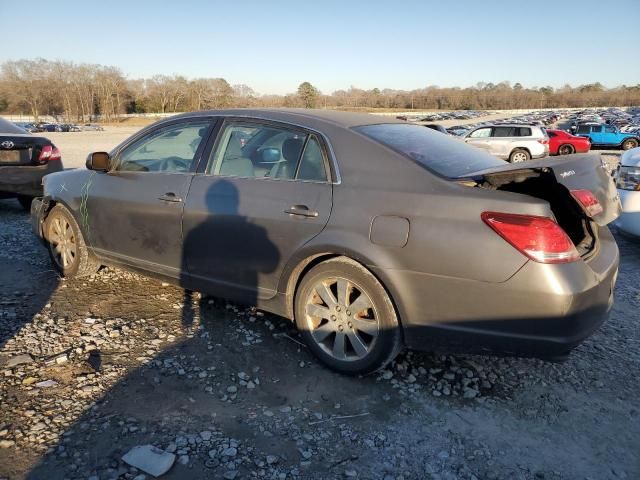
[63, 242]
[342, 319]
[519, 157]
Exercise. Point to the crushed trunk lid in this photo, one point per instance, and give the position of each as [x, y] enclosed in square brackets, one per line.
[575, 172]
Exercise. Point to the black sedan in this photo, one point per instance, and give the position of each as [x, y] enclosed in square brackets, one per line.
[24, 160]
[370, 234]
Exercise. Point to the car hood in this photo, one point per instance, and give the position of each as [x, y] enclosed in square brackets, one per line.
[630, 158]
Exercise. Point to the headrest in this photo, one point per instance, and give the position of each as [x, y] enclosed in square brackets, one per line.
[291, 149]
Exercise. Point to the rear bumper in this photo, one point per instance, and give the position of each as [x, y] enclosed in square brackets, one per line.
[629, 221]
[542, 311]
[25, 180]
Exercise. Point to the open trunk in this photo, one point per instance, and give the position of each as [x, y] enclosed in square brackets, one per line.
[554, 180]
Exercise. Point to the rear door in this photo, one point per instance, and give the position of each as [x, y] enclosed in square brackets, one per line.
[134, 212]
[597, 134]
[502, 140]
[265, 192]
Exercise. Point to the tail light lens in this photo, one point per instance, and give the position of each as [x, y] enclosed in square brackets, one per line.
[587, 201]
[544, 141]
[539, 238]
[49, 153]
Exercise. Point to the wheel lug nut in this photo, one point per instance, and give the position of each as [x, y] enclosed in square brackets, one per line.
[348, 313]
[333, 317]
[337, 308]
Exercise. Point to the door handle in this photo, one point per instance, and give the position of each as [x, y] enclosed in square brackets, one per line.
[301, 211]
[170, 197]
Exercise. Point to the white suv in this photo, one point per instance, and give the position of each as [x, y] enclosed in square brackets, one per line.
[515, 143]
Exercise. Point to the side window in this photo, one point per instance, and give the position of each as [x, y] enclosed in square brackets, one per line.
[609, 129]
[481, 133]
[312, 166]
[169, 149]
[252, 150]
[503, 132]
[525, 132]
[584, 129]
[596, 129]
[551, 134]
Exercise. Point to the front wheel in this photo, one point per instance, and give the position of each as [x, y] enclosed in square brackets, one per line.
[629, 143]
[346, 317]
[519, 155]
[67, 248]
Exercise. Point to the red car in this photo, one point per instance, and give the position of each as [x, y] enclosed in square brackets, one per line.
[563, 143]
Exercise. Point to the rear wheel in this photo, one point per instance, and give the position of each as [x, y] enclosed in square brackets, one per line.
[629, 143]
[346, 317]
[67, 248]
[566, 149]
[519, 155]
[25, 201]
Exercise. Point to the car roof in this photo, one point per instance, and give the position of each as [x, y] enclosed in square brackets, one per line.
[9, 127]
[301, 116]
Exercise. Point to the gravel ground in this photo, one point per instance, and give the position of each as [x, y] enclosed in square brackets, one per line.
[91, 368]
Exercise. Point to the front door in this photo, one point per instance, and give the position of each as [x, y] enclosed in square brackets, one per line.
[134, 212]
[264, 194]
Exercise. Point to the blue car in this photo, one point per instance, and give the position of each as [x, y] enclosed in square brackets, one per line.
[608, 136]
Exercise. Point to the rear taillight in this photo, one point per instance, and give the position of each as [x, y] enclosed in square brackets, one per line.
[49, 153]
[539, 238]
[544, 141]
[587, 201]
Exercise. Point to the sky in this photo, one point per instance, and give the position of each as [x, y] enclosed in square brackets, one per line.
[274, 45]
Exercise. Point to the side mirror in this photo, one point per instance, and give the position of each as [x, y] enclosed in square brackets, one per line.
[270, 155]
[99, 161]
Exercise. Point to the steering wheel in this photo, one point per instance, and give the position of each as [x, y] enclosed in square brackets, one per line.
[174, 164]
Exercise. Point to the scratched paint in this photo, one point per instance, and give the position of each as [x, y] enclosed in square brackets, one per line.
[84, 197]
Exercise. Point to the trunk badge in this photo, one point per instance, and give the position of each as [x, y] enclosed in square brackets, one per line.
[568, 173]
[7, 144]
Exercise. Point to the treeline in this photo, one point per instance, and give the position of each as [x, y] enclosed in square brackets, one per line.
[77, 92]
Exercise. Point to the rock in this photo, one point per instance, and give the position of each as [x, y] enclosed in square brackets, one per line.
[150, 459]
[350, 473]
[183, 459]
[46, 384]
[206, 435]
[271, 459]
[7, 443]
[232, 389]
[230, 475]
[230, 452]
[21, 359]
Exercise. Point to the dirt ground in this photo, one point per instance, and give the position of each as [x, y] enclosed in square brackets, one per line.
[91, 368]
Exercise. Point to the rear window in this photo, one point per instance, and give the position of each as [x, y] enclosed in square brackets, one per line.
[584, 129]
[439, 153]
[525, 132]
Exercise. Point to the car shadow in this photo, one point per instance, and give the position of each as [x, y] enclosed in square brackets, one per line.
[26, 281]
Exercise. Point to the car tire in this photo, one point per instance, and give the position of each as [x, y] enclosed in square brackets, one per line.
[65, 243]
[519, 155]
[350, 342]
[25, 201]
[566, 149]
[629, 143]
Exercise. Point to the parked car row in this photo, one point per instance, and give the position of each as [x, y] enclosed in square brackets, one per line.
[608, 128]
[56, 127]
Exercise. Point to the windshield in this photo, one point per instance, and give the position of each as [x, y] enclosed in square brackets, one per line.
[440, 153]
